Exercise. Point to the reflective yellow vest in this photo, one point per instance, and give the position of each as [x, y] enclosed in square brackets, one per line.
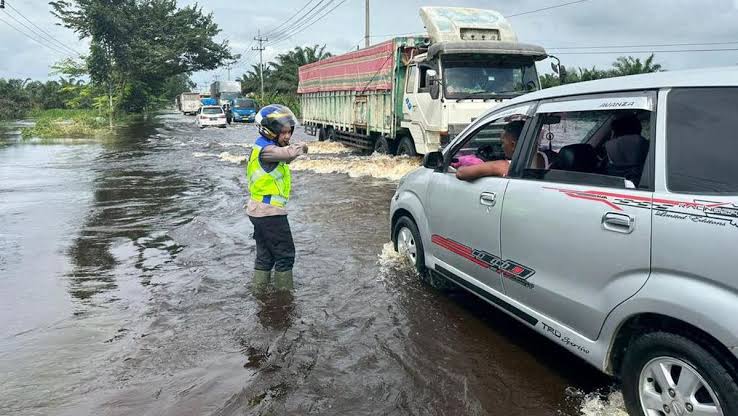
[273, 187]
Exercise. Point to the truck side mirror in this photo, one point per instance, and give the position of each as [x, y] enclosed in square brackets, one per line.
[432, 79]
[433, 160]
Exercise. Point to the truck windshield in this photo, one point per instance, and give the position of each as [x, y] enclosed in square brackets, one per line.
[229, 95]
[487, 79]
[244, 104]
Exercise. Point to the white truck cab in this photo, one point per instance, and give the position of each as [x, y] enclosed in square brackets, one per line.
[473, 63]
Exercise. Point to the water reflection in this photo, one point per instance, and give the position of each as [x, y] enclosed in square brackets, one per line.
[135, 196]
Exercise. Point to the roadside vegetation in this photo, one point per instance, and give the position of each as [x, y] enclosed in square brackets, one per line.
[280, 77]
[624, 65]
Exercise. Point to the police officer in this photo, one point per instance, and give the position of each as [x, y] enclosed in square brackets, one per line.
[270, 182]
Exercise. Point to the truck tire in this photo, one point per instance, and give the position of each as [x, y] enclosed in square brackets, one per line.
[321, 134]
[406, 147]
[331, 134]
[382, 146]
[671, 374]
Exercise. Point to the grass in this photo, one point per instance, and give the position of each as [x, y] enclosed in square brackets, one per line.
[73, 124]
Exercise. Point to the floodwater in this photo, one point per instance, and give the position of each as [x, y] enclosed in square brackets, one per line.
[124, 270]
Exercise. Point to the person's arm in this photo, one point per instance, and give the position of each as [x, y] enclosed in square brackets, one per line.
[283, 154]
[494, 168]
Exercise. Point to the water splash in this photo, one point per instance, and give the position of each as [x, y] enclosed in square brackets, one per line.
[231, 158]
[376, 166]
[392, 262]
[329, 148]
[595, 404]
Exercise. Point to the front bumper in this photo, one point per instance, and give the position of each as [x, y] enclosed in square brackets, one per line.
[246, 117]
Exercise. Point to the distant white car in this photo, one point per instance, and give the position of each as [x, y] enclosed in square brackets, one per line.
[211, 115]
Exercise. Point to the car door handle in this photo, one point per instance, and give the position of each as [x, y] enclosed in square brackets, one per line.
[619, 223]
[488, 199]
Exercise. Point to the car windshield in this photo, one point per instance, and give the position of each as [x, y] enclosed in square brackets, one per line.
[469, 78]
[244, 104]
[212, 110]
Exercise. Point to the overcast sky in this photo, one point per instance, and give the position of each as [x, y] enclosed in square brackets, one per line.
[591, 23]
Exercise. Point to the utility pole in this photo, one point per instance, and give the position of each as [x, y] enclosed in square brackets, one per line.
[260, 48]
[229, 72]
[366, 23]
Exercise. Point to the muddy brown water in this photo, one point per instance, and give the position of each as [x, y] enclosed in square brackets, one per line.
[124, 267]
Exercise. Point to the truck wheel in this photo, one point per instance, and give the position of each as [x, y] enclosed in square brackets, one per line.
[381, 145]
[406, 147]
[321, 134]
[665, 374]
[331, 134]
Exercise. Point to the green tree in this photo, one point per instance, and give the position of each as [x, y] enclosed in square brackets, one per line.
[627, 65]
[137, 46]
[624, 65]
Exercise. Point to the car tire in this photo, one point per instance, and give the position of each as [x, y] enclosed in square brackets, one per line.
[382, 146]
[408, 242]
[406, 147]
[643, 366]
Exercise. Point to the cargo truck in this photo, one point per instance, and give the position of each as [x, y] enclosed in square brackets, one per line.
[189, 103]
[224, 92]
[412, 94]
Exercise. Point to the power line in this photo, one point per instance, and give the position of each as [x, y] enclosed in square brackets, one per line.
[312, 22]
[655, 45]
[47, 36]
[274, 30]
[41, 42]
[647, 51]
[302, 20]
[546, 8]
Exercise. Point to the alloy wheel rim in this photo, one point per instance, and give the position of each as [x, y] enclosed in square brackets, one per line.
[406, 245]
[670, 386]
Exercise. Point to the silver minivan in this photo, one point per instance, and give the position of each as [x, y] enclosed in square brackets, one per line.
[614, 232]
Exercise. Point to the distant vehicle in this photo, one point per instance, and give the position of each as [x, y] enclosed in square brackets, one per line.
[244, 109]
[208, 101]
[189, 103]
[414, 94]
[224, 92]
[211, 115]
[610, 234]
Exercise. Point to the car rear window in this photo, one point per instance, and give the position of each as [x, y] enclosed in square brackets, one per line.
[211, 111]
[702, 141]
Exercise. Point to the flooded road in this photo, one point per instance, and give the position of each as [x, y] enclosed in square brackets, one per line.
[125, 266]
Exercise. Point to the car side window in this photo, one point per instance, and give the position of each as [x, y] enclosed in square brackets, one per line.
[486, 144]
[411, 75]
[593, 146]
[701, 141]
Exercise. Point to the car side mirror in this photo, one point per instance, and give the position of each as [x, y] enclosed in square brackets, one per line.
[433, 160]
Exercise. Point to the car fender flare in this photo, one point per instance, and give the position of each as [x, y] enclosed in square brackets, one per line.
[670, 295]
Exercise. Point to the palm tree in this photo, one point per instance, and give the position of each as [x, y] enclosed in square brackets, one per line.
[627, 65]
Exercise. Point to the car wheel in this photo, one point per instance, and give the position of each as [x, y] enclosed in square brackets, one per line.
[406, 147]
[409, 244]
[668, 374]
[381, 146]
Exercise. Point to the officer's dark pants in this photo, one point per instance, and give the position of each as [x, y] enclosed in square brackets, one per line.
[274, 245]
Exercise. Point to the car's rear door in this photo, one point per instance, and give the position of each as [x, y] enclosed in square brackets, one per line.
[580, 239]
